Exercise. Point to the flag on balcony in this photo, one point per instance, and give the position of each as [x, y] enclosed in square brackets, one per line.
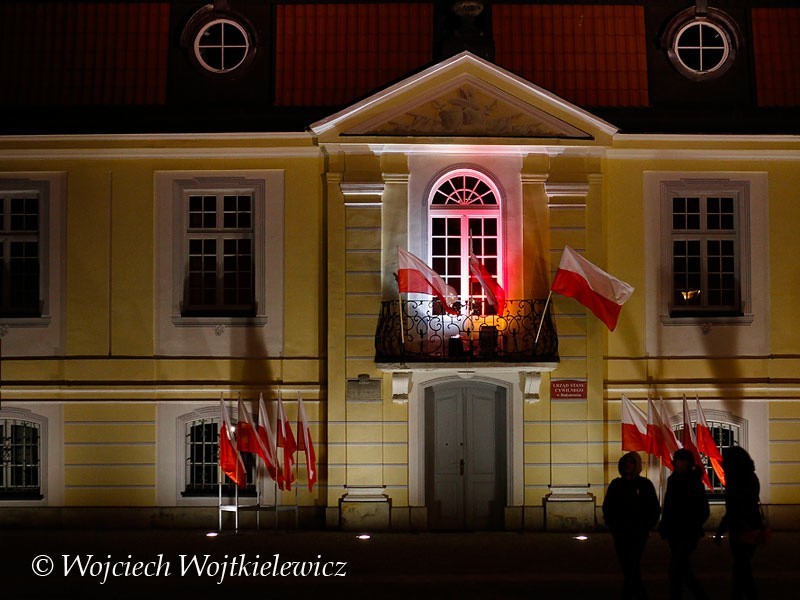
[689, 442]
[634, 427]
[230, 460]
[495, 294]
[287, 442]
[413, 275]
[305, 443]
[587, 283]
[707, 445]
[268, 439]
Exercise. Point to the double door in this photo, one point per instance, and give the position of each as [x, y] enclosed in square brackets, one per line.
[465, 456]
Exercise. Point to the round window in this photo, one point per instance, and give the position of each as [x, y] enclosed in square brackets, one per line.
[701, 47]
[221, 45]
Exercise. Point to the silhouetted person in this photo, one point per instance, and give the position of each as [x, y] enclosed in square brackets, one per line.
[631, 510]
[742, 518]
[685, 511]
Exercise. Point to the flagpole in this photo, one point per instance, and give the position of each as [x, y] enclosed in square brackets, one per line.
[541, 321]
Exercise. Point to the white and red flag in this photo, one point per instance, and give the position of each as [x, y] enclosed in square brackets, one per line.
[305, 443]
[495, 294]
[413, 275]
[634, 427]
[230, 460]
[255, 439]
[656, 439]
[268, 441]
[287, 442]
[689, 442]
[707, 445]
[670, 440]
[587, 283]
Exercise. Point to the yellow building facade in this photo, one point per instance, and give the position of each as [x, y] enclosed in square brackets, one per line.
[420, 420]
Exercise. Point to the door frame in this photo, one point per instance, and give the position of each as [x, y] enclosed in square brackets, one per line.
[510, 382]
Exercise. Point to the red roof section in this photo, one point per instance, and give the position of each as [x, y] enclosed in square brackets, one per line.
[90, 53]
[332, 54]
[776, 32]
[589, 55]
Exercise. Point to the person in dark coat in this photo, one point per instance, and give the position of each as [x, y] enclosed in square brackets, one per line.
[631, 510]
[742, 518]
[685, 511]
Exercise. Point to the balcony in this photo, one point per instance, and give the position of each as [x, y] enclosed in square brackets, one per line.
[423, 332]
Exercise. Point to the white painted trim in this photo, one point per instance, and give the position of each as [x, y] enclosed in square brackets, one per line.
[218, 153]
[219, 336]
[50, 418]
[44, 336]
[703, 155]
[455, 62]
[694, 138]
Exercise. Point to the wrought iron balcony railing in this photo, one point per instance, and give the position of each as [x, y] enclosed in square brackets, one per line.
[423, 332]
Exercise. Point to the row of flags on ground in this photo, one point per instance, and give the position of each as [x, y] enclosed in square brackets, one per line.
[258, 438]
[652, 433]
[576, 278]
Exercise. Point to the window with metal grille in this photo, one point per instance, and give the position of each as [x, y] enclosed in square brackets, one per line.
[202, 461]
[726, 435]
[220, 278]
[705, 253]
[19, 254]
[465, 216]
[20, 470]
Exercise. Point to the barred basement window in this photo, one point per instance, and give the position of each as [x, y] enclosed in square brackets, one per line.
[726, 435]
[20, 452]
[202, 461]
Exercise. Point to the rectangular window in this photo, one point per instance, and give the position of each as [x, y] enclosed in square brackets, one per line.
[219, 252]
[20, 254]
[20, 467]
[704, 247]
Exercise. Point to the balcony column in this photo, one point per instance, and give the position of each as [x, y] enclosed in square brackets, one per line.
[535, 238]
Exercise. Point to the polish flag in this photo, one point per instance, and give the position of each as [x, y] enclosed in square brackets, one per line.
[670, 440]
[287, 442]
[413, 275]
[634, 427]
[598, 291]
[495, 294]
[268, 441]
[250, 438]
[707, 445]
[230, 461]
[305, 443]
[656, 440]
[689, 442]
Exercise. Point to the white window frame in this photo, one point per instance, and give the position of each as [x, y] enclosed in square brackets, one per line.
[704, 188]
[464, 213]
[222, 22]
[261, 334]
[172, 419]
[49, 418]
[43, 335]
[747, 334]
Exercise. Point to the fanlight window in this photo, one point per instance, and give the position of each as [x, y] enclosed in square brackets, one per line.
[465, 217]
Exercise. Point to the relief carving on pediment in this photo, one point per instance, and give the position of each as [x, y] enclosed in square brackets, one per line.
[467, 111]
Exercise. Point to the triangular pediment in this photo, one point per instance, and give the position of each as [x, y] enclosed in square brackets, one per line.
[467, 98]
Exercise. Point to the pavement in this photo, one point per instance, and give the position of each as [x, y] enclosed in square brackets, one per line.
[154, 564]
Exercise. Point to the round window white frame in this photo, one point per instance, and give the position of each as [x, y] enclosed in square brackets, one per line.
[717, 20]
[701, 23]
[222, 21]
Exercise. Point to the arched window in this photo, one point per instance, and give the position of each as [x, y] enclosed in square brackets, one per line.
[465, 216]
[727, 430]
[201, 434]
